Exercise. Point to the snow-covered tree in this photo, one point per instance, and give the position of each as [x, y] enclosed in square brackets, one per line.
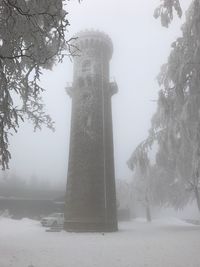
[178, 111]
[142, 179]
[123, 192]
[165, 11]
[176, 124]
[32, 37]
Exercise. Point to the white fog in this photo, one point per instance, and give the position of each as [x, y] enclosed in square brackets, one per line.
[118, 182]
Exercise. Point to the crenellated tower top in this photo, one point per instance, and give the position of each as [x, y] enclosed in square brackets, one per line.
[91, 65]
[93, 39]
[95, 50]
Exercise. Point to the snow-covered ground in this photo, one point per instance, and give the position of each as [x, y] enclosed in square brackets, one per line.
[163, 243]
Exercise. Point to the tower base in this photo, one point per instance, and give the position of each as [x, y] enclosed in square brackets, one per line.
[76, 226]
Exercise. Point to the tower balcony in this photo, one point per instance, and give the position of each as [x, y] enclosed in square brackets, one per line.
[113, 88]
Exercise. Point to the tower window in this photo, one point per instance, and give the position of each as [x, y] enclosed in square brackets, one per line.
[80, 82]
[86, 66]
[89, 80]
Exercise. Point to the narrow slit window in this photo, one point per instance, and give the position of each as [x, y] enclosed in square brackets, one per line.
[86, 66]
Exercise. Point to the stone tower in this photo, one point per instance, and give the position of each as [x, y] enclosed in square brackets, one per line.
[90, 195]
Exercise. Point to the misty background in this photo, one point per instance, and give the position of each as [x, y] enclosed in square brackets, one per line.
[141, 46]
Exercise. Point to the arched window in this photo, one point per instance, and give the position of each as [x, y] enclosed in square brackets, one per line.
[86, 66]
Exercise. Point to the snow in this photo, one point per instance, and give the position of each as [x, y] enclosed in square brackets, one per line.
[163, 243]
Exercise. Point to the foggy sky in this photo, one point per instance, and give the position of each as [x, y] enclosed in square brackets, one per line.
[141, 46]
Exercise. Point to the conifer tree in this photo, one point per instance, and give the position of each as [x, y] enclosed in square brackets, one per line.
[175, 126]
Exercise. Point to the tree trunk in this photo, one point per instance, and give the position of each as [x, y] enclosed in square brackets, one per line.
[196, 191]
[147, 206]
[148, 213]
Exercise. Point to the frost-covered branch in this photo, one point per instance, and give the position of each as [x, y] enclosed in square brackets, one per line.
[165, 11]
[32, 38]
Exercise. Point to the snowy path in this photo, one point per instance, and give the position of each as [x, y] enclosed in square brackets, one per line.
[164, 243]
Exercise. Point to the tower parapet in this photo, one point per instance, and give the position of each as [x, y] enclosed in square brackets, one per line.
[90, 39]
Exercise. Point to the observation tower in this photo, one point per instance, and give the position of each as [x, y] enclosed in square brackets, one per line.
[90, 195]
